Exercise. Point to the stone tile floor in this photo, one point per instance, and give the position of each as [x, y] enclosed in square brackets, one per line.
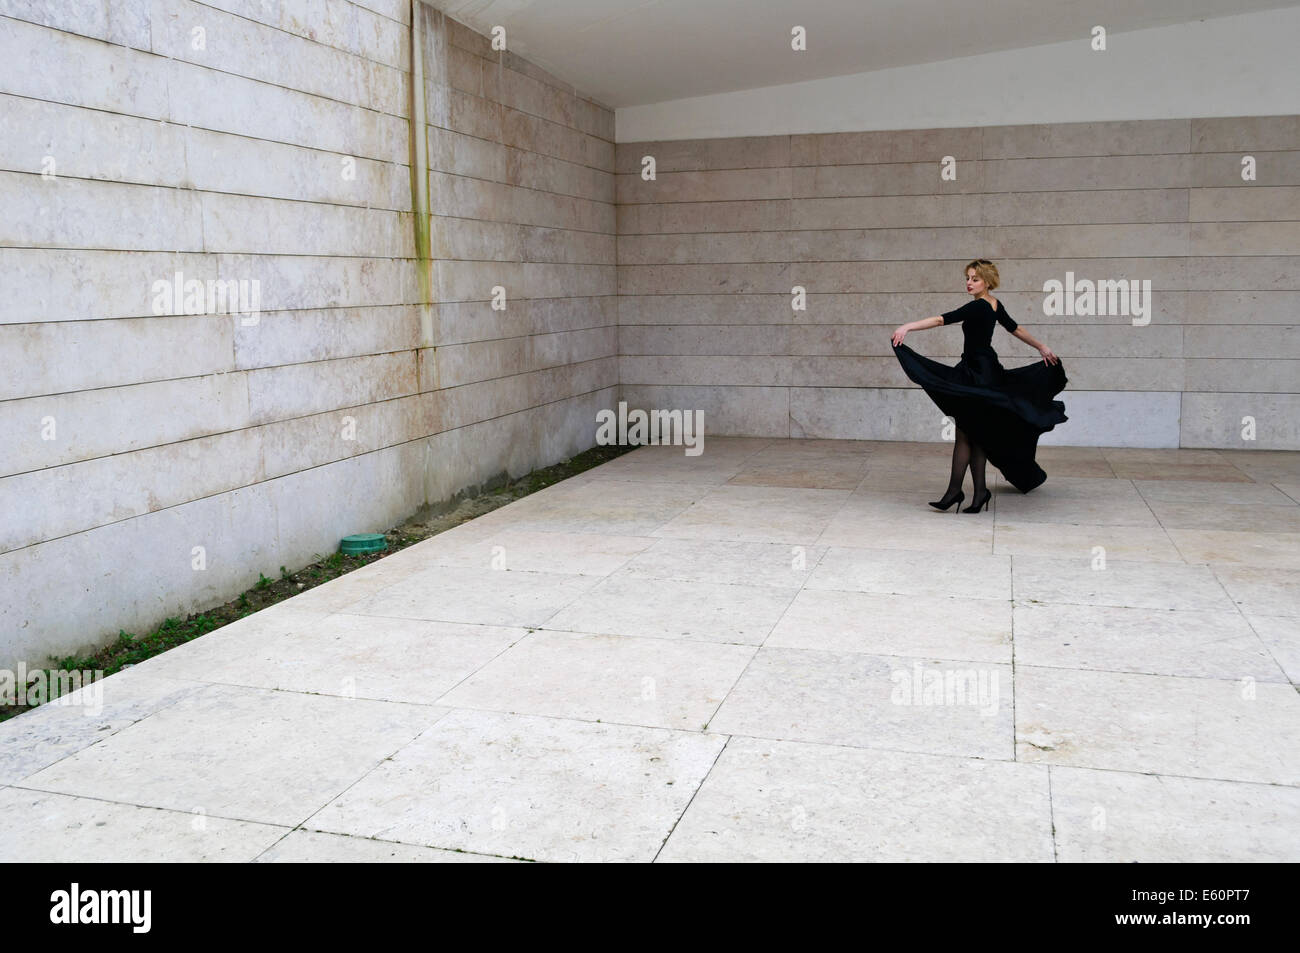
[773, 651]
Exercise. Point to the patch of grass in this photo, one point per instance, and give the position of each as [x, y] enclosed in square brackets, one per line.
[128, 649]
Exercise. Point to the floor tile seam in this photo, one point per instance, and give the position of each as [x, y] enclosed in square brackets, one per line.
[882, 655]
[531, 631]
[367, 772]
[1236, 680]
[199, 685]
[1280, 785]
[1241, 613]
[1284, 680]
[604, 633]
[402, 843]
[694, 794]
[896, 592]
[287, 828]
[1051, 815]
[569, 719]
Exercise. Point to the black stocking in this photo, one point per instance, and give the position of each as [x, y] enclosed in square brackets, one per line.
[961, 459]
[977, 462]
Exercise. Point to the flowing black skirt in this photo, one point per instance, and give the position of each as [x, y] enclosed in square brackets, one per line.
[1002, 411]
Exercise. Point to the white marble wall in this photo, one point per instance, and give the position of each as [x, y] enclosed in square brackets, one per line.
[239, 139]
[711, 248]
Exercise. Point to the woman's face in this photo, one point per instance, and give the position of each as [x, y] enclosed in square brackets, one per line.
[974, 283]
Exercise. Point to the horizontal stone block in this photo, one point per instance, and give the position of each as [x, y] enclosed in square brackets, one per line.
[474, 280]
[236, 44]
[64, 500]
[88, 144]
[1245, 238]
[709, 186]
[64, 428]
[1260, 204]
[1125, 374]
[862, 413]
[740, 216]
[124, 24]
[902, 145]
[1088, 172]
[78, 213]
[1262, 375]
[1242, 307]
[1265, 341]
[886, 211]
[515, 444]
[887, 244]
[848, 371]
[731, 340]
[755, 371]
[1105, 418]
[297, 337]
[221, 162]
[459, 322]
[1219, 420]
[698, 249]
[1245, 134]
[345, 26]
[534, 134]
[43, 63]
[728, 411]
[694, 155]
[459, 197]
[224, 102]
[1099, 206]
[471, 403]
[911, 178]
[67, 356]
[692, 309]
[487, 360]
[85, 284]
[314, 440]
[1223, 170]
[1120, 138]
[1237, 273]
[294, 390]
[238, 223]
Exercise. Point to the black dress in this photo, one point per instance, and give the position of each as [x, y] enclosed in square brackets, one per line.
[1001, 411]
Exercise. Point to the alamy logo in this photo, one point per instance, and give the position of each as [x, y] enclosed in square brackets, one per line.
[60, 686]
[102, 906]
[946, 686]
[638, 428]
[1107, 296]
[242, 296]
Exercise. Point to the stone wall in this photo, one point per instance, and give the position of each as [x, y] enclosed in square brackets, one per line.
[710, 250]
[155, 463]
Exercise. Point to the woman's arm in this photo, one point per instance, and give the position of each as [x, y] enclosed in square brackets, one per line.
[1041, 348]
[901, 331]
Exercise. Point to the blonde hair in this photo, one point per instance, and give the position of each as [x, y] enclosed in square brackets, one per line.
[986, 270]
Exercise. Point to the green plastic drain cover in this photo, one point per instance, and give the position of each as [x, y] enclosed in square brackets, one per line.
[363, 543]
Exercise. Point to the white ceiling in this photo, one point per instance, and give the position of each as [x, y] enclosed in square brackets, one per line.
[634, 52]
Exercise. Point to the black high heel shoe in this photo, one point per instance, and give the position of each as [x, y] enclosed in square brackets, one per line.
[948, 501]
[979, 503]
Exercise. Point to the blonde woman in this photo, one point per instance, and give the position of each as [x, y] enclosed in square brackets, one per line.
[999, 413]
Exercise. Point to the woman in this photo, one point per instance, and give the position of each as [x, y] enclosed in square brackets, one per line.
[999, 413]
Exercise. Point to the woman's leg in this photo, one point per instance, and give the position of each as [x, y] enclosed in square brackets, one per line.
[961, 458]
[977, 464]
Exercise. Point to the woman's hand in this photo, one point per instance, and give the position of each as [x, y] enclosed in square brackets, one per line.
[900, 332]
[1048, 356]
